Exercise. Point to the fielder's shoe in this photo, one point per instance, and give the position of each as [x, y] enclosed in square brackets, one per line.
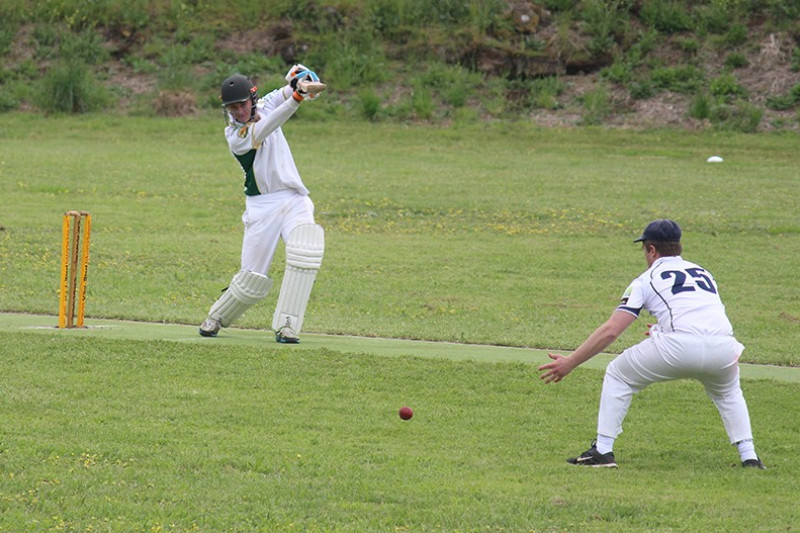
[592, 457]
[286, 335]
[754, 463]
[210, 327]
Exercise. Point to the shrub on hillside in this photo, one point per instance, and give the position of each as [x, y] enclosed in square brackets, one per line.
[370, 104]
[681, 79]
[7, 102]
[666, 16]
[741, 116]
[596, 106]
[785, 101]
[726, 88]
[354, 59]
[700, 107]
[69, 87]
[545, 92]
[736, 60]
[736, 35]
[85, 46]
[619, 72]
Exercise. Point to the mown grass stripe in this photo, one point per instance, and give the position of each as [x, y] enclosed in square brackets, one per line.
[133, 330]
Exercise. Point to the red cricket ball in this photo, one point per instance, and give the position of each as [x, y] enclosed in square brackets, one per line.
[406, 413]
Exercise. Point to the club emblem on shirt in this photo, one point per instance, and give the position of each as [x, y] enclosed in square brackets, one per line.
[625, 296]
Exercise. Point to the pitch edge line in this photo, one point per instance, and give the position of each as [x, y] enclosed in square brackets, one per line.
[264, 339]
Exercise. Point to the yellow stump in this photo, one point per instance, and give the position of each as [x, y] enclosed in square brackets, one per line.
[87, 231]
[62, 293]
[74, 257]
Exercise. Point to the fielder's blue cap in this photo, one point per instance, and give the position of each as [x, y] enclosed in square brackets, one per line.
[662, 230]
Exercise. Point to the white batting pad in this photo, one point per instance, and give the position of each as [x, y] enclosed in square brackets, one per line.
[245, 290]
[304, 249]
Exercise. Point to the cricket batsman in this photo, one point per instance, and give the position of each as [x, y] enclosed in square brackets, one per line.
[277, 205]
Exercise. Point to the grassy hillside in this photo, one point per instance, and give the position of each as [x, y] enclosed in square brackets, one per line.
[730, 64]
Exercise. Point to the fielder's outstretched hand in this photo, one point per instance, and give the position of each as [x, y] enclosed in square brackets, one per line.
[557, 369]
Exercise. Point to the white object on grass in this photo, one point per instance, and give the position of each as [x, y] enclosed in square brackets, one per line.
[245, 290]
[714, 159]
[305, 246]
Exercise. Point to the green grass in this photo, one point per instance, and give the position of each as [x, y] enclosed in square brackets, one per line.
[492, 234]
[111, 435]
[502, 234]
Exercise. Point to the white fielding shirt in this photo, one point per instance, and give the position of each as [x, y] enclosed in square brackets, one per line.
[681, 295]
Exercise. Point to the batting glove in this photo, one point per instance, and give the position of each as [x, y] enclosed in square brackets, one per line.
[305, 83]
[296, 73]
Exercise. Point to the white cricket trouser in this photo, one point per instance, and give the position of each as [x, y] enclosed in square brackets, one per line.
[712, 360]
[268, 218]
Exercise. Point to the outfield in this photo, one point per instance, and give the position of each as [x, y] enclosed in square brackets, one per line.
[112, 429]
[462, 253]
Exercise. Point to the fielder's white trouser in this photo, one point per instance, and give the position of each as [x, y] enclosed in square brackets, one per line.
[267, 218]
[712, 360]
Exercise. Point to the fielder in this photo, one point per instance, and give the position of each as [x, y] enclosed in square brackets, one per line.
[277, 204]
[693, 339]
